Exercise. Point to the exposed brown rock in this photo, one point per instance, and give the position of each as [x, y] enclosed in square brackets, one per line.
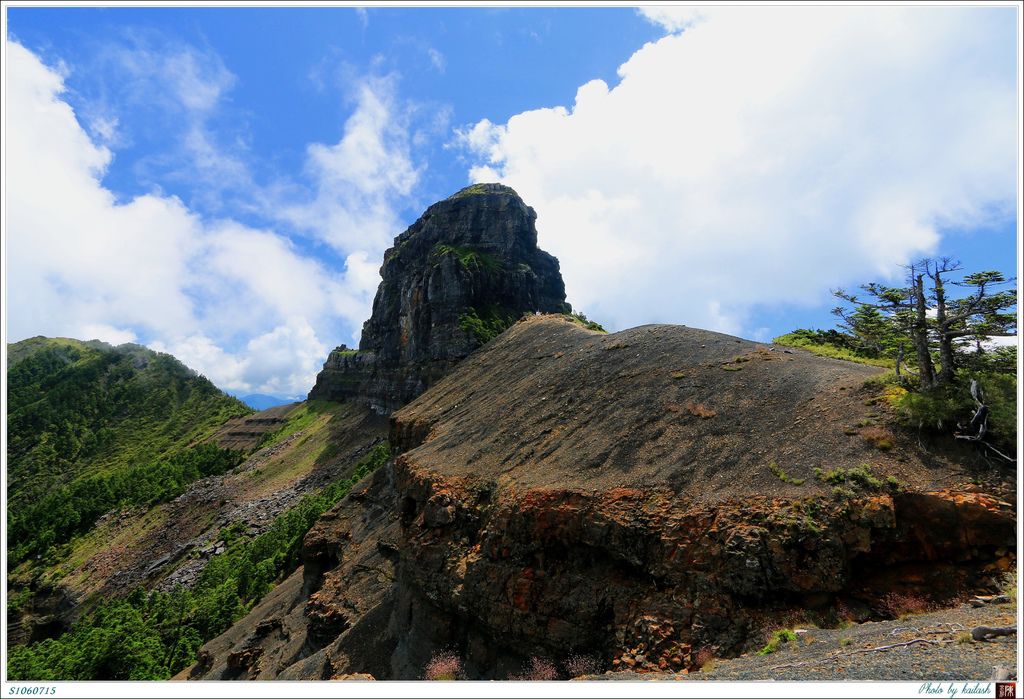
[544, 504]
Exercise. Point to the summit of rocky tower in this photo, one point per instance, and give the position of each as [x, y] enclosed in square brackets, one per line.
[462, 273]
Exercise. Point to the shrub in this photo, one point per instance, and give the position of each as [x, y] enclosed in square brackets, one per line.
[468, 258]
[900, 604]
[859, 477]
[1010, 585]
[486, 325]
[877, 437]
[581, 665]
[964, 637]
[537, 670]
[776, 640]
[699, 410]
[941, 409]
[783, 476]
[444, 666]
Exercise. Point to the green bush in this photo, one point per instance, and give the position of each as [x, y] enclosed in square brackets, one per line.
[775, 642]
[486, 325]
[779, 473]
[941, 409]
[469, 259]
[859, 477]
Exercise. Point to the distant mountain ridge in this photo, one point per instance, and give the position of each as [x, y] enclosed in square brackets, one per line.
[263, 401]
[78, 407]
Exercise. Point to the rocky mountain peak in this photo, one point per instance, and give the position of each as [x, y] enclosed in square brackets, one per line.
[464, 271]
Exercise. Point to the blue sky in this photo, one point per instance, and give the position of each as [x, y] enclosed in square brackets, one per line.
[221, 183]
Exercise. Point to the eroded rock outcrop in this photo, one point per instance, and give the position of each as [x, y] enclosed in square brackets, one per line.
[634, 498]
[468, 268]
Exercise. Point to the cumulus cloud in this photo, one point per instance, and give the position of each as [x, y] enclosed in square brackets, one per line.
[243, 305]
[761, 155]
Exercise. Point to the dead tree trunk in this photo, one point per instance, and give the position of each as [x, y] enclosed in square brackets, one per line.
[926, 370]
[947, 358]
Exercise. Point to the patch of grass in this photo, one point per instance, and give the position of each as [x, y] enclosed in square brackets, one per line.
[964, 637]
[297, 421]
[678, 375]
[842, 493]
[830, 344]
[732, 367]
[470, 259]
[877, 437]
[777, 639]
[487, 324]
[858, 477]
[580, 318]
[779, 473]
[846, 641]
[470, 191]
[582, 665]
[537, 670]
[1009, 586]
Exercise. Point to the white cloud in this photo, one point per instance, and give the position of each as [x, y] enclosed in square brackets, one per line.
[362, 180]
[106, 333]
[764, 155]
[242, 305]
[436, 59]
[674, 18]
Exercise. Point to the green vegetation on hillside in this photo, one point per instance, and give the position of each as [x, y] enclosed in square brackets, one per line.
[73, 509]
[487, 324]
[832, 344]
[579, 318]
[77, 408]
[154, 636]
[469, 259]
[299, 419]
[942, 408]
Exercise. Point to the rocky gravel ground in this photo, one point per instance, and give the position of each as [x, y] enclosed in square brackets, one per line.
[925, 647]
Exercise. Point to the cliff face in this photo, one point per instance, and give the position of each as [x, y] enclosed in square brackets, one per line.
[468, 268]
[645, 495]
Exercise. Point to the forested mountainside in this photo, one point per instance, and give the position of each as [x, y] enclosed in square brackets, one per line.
[84, 408]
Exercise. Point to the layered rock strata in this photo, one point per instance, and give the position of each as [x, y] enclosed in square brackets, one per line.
[650, 494]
